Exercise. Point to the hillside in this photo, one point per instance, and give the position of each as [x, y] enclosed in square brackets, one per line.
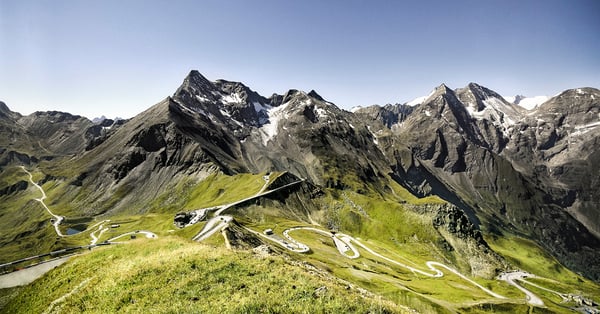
[174, 275]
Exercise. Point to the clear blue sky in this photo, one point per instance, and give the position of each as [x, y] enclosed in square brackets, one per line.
[120, 57]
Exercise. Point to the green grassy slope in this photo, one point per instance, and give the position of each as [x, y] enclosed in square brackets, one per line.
[171, 275]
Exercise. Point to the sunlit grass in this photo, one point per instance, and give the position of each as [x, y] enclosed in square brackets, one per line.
[173, 275]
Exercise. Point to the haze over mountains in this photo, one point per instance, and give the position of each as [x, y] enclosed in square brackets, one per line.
[502, 169]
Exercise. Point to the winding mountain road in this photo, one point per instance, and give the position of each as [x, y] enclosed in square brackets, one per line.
[512, 277]
[563, 296]
[57, 219]
[343, 242]
[212, 226]
[102, 230]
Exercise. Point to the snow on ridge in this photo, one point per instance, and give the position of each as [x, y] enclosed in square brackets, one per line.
[495, 111]
[531, 103]
[269, 129]
[528, 103]
[510, 99]
[356, 108]
[419, 100]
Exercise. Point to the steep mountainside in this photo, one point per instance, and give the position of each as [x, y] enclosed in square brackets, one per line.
[532, 172]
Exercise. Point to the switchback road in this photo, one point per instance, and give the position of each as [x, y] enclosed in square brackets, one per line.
[57, 219]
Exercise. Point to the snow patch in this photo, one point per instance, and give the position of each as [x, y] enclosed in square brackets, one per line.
[428, 113]
[497, 112]
[322, 113]
[234, 98]
[203, 99]
[355, 109]
[531, 103]
[225, 113]
[269, 129]
[510, 99]
[419, 100]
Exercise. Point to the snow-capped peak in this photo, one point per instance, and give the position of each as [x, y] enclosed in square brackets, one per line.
[356, 108]
[528, 103]
[419, 100]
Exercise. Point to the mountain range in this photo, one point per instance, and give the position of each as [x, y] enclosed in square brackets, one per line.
[495, 169]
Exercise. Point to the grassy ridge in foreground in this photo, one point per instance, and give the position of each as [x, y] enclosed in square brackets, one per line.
[174, 275]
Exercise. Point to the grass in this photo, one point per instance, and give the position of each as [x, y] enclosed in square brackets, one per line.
[170, 275]
[216, 189]
[12, 175]
[221, 189]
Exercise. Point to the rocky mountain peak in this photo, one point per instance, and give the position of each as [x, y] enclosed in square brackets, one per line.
[441, 90]
[195, 79]
[444, 89]
[482, 92]
[3, 107]
[314, 94]
[4, 110]
[476, 96]
[582, 93]
[291, 94]
[196, 89]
